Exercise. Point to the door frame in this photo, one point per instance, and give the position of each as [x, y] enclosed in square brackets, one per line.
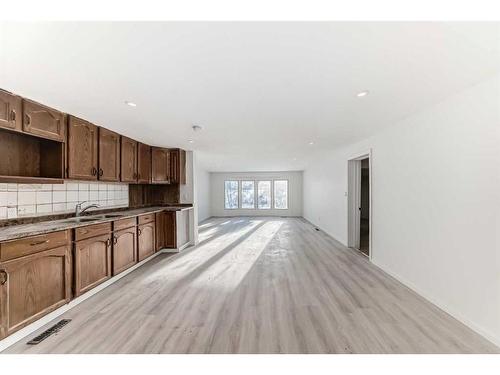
[354, 200]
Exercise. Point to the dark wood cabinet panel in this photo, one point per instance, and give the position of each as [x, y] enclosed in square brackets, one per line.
[109, 155]
[146, 240]
[92, 260]
[128, 160]
[124, 249]
[82, 149]
[182, 167]
[144, 164]
[170, 230]
[177, 166]
[160, 165]
[43, 121]
[11, 111]
[160, 231]
[32, 286]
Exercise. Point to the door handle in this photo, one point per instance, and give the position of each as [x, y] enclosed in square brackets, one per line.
[4, 276]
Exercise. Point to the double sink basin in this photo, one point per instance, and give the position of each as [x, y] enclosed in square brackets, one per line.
[87, 219]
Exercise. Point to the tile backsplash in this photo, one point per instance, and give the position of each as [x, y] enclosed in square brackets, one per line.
[21, 200]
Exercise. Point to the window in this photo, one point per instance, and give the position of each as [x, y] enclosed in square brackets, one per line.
[247, 194]
[264, 195]
[281, 194]
[230, 195]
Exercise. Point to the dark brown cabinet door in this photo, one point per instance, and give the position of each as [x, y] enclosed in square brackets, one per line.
[160, 231]
[109, 155]
[43, 121]
[11, 114]
[174, 166]
[182, 167]
[92, 263]
[146, 240]
[159, 165]
[128, 160]
[32, 286]
[82, 149]
[124, 249]
[170, 230]
[144, 164]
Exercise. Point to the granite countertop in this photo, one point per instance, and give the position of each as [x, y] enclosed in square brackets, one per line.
[26, 230]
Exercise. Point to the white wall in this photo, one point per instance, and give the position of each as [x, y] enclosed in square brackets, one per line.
[294, 193]
[202, 178]
[435, 206]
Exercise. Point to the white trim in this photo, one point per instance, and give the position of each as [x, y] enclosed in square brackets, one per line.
[353, 222]
[441, 305]
[435, 301]
[29, 329]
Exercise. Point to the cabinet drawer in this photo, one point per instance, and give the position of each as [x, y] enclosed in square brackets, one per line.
[30, 245]
[124, 223]
[92, 231]
[144, 219]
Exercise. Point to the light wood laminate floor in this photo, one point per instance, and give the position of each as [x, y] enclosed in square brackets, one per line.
[259, 285]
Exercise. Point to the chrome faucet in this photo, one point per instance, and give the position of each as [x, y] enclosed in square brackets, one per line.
[78, 208]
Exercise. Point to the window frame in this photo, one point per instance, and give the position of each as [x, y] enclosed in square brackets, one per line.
[270, 193]
[237, 192]
[287, 194]
[254, 194]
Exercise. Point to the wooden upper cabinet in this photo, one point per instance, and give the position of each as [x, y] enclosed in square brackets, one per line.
[11, 111]
[109, 155]
[128, 160]
[177, 166]
[43, 121]
[82, 149]
[144, 164]
[159, 165]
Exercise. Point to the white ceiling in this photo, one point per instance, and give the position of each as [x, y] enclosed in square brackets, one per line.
[261, 91]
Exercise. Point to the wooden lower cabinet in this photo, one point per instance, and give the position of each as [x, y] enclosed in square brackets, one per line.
[92, 258]
[32, 286]
[124, 249]
[166, 236]
[146, 240]
[170, 230]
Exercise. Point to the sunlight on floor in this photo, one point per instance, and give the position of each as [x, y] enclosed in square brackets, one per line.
[240, 255]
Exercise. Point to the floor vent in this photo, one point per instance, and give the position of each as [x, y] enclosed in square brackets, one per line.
[54, 329]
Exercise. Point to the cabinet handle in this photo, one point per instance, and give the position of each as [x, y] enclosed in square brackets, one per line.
[108, 242]
[39, 243]
[13, 115]
[4, 276]
[115, 240]
[100, 172]
[28, 119]
[94, 171]
[139, 231]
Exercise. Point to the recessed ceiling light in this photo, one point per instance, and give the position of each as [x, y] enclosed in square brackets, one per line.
[132, 104]
[197, 128]
[362, 93]
[311, 143]
[190, 141]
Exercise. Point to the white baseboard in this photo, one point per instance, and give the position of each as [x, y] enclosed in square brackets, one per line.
[443, 306]
[435, 301]
[29, 329]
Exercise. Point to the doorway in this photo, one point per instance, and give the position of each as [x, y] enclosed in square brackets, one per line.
[359, 204]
